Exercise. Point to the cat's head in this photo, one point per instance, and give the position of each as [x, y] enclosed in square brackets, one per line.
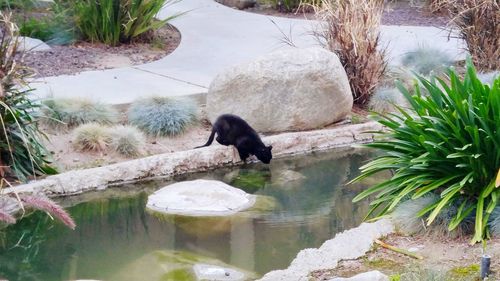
[264, 154]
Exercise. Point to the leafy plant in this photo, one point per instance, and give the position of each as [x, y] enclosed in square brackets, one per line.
[22, 153]
[427, 61]
[55, 28]
[91, 137]
[66, 112]
[350, 28]
[118, 21]
[127, 140]
[478, 22]
[162, 116]
[449, 145]
[17, 4]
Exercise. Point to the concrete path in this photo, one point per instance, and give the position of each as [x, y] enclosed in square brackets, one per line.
[213, 38]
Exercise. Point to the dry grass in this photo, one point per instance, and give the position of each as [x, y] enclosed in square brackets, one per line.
[479, 24]
[350, 28]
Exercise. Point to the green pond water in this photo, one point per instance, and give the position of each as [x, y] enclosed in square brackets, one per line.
[117, 239]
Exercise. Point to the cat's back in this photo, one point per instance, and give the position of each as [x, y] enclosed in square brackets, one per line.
[233, 120]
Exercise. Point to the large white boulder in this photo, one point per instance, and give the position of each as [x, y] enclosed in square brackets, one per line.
[200, 198]
[287, 90]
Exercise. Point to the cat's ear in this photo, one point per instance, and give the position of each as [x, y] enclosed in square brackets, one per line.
[270, 147]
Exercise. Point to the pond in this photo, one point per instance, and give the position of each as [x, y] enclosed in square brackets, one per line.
[117, 239]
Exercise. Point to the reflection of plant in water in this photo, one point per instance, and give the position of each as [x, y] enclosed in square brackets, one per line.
[251, 180]
[19, 254]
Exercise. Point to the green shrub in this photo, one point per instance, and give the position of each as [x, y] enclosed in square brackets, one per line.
[448, 145]
[127, 140]
[162, 116]
[22, 153]
[385, 99]
[427, 61]
[117, 21]
[72, 112]
[92, 137]
[17, 4]
[55, 28]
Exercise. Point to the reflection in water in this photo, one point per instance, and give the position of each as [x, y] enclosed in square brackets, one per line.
[116, 232]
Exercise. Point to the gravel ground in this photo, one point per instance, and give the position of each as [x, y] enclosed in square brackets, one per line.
[83, 56]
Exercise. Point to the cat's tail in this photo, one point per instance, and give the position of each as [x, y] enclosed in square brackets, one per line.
[210, 139]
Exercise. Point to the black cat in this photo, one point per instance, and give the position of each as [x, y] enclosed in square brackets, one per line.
[232, 130]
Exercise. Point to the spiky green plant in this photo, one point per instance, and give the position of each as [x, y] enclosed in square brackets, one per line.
[127, 140]
[118, 21]
[448, 144]
[385, 99]
[92, 137]
[162, 116]
[71, 112]
[427, 61]
[22, 153]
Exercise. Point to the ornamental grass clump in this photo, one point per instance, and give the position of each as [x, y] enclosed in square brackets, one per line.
[162, 116]
[448, 144]
[71, 112]
[385, 99]
[351, 29]
[127, 140]
[478, 22]
[427, 61]
[92, 137]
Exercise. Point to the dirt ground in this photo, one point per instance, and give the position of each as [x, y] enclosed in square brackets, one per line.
[66, 157]
[454, 258]
[395, 13]
[82, 56]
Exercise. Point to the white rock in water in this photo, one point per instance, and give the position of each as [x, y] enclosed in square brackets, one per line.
[286, 90]
[374, 275]
[217, 273]
[28, 44]
[200, 198]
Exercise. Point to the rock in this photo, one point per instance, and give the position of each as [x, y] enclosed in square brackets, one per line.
[287, 90]
[42, 4]
[174, 265]
[284, 177]
[374, 275]
[240, 4]
[200, 198]
[27, 44]
[217, 273]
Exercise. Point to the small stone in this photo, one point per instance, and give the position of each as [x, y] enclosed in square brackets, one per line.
[374, 275]
[76, 160]
[217, 273]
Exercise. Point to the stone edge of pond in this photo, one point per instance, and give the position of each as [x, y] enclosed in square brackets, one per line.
[350, 244]
[195, 160]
